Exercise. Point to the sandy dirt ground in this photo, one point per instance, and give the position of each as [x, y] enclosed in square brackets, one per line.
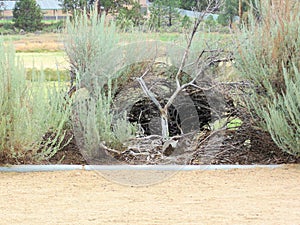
[252, 196]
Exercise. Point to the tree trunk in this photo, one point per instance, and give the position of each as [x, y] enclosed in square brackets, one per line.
[164, 124]
[99, 7]
[158, 20]
[170, 18]
[241, 10]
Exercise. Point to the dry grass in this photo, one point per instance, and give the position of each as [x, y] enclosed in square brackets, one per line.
[49, 42]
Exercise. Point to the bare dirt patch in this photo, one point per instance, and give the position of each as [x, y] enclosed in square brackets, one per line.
[252, 196]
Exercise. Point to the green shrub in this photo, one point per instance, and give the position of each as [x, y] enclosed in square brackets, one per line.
[4, 31]
[6, 28]
[89, 42]
[268, 54]
[186, 22]
[55, 27]
[7, 25]
[128, 18]
[96, 124]
[32, 114]
[210, 23]
[281, 114]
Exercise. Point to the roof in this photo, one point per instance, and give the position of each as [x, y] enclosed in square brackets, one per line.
[7, 5]
[49, 4]
[44, 4]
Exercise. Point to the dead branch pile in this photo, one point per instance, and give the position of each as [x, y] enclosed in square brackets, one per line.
[190, 108]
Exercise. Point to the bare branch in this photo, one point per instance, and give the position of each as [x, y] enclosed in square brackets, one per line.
[148, 92]
[104, 147]
[210, 62]
[210, 8]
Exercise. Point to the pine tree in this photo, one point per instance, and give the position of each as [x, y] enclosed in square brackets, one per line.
[27, 15]
[163, 12]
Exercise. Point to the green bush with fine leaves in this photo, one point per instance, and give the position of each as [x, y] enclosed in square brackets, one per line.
[268, 54]
[33, 114]
[91, 44]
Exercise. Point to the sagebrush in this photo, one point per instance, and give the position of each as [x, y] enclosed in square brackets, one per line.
[91, 44]
[268, 55]
[33, 114]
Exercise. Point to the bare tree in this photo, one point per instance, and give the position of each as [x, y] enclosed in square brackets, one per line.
[205, 64]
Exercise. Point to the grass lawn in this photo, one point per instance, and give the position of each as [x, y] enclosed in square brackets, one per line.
[52, 60]
[54, 64]
[171, 37]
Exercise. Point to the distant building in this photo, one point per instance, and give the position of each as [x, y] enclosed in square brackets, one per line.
[50, 8]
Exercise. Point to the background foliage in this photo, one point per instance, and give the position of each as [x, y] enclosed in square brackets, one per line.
[27, 15]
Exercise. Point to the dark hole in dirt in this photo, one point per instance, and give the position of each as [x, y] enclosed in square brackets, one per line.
[146, 113]
[190, 113]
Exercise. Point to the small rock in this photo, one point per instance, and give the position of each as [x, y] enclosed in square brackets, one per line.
[169, 147]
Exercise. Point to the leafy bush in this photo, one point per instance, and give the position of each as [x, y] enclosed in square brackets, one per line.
[4, 31]
[6, 28]
[55, 27]
[7, 25]
[268, 55]
[29, 110]
[186, 22]
[130, 17]
[210, 23]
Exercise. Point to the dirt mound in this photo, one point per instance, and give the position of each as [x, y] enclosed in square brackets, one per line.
[260, 150]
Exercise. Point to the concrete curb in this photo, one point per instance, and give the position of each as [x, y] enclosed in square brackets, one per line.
[43, 168]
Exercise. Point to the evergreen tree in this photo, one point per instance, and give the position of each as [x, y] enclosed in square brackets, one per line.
[233, 8]
[192, 4]
[171, 10]
[229, 11]
[129, 17]
[71, 6]
[163, 12]
[108, 5]
[27, 15]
